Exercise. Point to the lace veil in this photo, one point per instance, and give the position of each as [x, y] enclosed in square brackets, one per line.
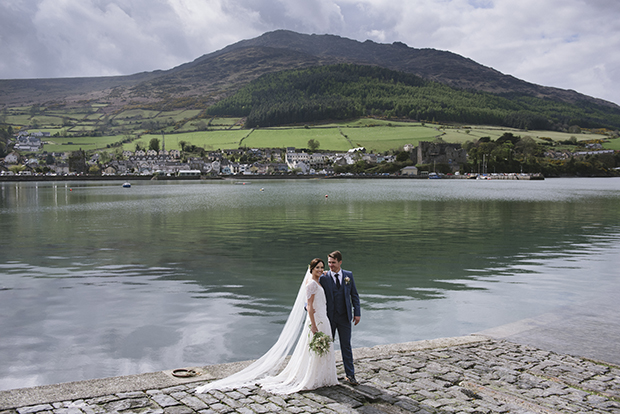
[272, 360]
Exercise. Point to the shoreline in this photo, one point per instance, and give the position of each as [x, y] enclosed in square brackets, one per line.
[98, 387]
[32, 178]
[466, 374]
[561, 361]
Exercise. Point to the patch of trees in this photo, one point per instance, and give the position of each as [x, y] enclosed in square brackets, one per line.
[511, 153]
[346, 91]
[313, 144]
[189, 149]
[154, 144]
[5, 135]
[77, 161]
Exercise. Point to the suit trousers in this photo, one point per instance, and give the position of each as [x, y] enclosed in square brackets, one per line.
[342, 325]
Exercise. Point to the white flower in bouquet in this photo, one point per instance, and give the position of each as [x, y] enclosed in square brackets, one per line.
[320, 342]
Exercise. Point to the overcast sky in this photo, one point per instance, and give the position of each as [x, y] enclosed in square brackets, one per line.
[570, 44]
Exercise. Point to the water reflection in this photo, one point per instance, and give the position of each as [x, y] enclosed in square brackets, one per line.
[97, 280]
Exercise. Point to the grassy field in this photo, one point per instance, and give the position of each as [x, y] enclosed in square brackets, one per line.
[332, 137]
[209, 140]
[137, 114]
[226, 122]
[66, 144]
[613, 144]
[329, 138]
[474, 132]
[384, 138]
[94, 116]
[377, 135]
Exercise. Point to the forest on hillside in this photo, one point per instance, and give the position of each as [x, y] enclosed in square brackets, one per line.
[345, 91]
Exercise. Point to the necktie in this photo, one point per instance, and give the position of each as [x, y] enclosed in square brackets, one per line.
[337, 281]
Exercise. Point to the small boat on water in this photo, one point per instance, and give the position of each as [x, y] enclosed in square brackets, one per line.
[126, 185]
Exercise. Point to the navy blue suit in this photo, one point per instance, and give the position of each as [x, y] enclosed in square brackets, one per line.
[342, 305]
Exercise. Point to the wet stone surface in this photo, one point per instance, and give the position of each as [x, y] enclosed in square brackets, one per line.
[483, 378]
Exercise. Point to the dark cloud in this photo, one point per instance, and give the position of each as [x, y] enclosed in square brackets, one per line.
[570, 44]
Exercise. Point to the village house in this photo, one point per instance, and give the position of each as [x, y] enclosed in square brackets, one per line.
[216, 167]
[60, 168]
[116, 168]
[215, 156]
[409, 171]
[345, 159]
[274, 154]
[296, 157]
[196, 163]
[558, 155]
[28, 143]
[12, 158]
[110, 169]
[277, 168]
[301, 167]
[318, 161]
[225, 170]
[371, 158]
[235, 152]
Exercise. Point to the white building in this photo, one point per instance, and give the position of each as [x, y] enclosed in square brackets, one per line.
[216, 167]
[301, 166]
[318, 161]
[28, 143]
[293, 157]
[12, 158]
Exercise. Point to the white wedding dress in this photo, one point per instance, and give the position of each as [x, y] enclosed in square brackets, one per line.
[305, 370]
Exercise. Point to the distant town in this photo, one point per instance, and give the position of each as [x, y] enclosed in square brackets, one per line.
[426, 160]
[251, 161]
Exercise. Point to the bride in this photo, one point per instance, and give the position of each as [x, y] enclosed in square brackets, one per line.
[306, 370]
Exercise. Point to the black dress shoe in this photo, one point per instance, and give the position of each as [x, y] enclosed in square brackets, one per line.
[351, 380]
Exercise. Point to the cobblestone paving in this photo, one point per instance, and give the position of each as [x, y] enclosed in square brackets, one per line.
[484, 377]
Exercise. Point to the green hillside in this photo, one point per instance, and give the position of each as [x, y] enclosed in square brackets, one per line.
[348, 91]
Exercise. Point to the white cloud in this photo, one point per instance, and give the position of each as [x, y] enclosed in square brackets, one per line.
[323, 15]
[571, 44]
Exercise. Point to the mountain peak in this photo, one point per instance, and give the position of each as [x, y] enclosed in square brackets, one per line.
[218, 74]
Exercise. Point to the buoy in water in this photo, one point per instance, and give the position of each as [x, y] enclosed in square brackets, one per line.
[325, 195]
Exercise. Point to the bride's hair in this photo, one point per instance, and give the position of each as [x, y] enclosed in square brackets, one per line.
[315, 262]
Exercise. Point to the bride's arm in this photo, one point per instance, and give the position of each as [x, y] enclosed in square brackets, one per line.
[310, 308]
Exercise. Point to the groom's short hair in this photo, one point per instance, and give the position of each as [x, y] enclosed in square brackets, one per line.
[336, 255]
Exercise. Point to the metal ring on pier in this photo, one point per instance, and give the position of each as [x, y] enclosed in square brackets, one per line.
[184, 373]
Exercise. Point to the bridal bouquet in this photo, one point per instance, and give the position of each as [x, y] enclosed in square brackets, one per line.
[320, 343]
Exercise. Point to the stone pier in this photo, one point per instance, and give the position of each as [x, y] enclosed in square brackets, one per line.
[469, 374]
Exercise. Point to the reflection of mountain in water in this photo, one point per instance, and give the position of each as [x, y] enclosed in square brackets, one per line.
[216, 266]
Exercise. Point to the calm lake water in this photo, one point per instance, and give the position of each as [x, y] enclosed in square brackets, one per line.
[97, 280]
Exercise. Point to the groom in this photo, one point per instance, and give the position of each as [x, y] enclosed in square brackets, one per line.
[341, 295]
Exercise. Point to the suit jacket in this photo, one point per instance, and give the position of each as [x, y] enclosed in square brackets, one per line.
[350, 294]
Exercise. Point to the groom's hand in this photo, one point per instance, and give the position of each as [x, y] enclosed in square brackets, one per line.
[356, 320]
